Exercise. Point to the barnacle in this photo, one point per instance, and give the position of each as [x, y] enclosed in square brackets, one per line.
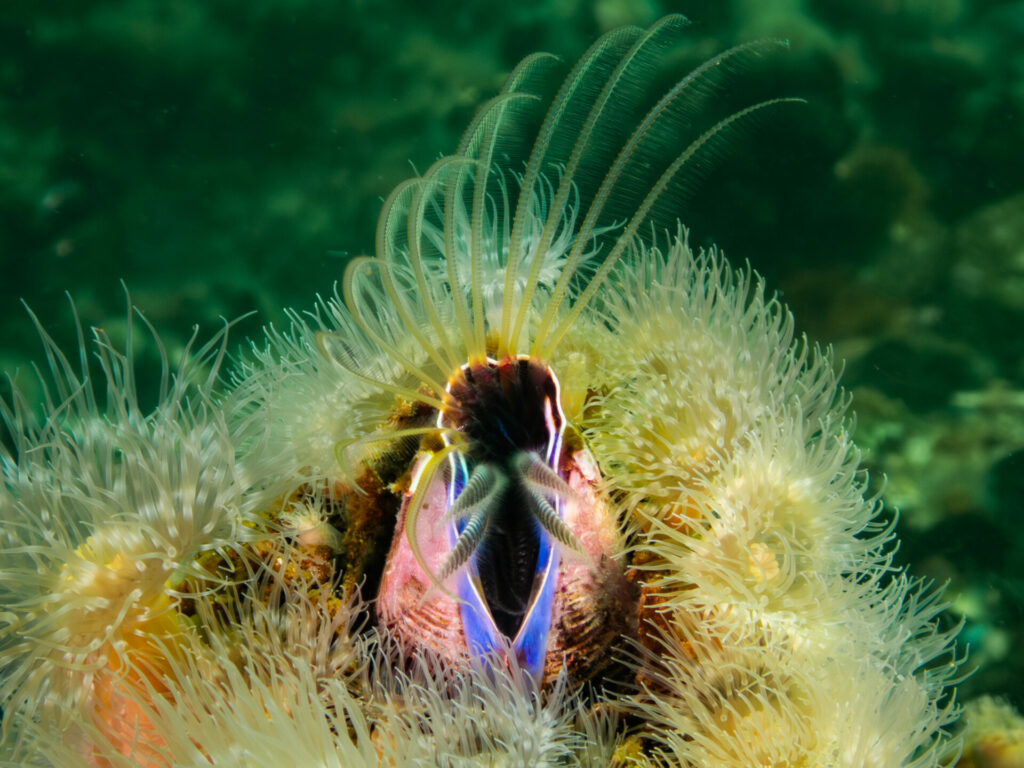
[541, 486]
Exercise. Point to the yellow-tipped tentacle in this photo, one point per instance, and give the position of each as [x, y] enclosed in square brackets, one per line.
[635, 38]
[479, 141]
[406, 198]
[513, 316]
[478, 350]
[413, 395]
[356, 270]
[625, 155]
[524, 70]
[453, 204]
[627, 238]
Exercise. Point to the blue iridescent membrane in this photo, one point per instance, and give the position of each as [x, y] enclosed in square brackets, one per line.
[506, 409]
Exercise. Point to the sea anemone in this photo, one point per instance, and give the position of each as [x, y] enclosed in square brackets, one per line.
[288, 678]
[539, 486]
[105, 507]
[766, 569]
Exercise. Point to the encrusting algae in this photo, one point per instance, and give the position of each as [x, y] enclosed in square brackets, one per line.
[542, 486]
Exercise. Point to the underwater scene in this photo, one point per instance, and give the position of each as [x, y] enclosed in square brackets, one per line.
[551, 383]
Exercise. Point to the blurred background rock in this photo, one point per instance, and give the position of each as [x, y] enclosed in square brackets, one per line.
[228, 156]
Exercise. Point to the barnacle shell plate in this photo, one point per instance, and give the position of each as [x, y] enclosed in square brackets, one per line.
[593, 603]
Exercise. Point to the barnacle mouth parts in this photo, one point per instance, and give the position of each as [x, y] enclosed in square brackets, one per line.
[511, 415]
[509, 548]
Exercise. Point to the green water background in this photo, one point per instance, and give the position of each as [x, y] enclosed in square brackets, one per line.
[226, 157]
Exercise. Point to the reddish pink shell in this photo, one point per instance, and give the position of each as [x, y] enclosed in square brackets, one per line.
[593, 603]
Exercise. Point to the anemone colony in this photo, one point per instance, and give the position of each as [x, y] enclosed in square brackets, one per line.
[541, 487]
